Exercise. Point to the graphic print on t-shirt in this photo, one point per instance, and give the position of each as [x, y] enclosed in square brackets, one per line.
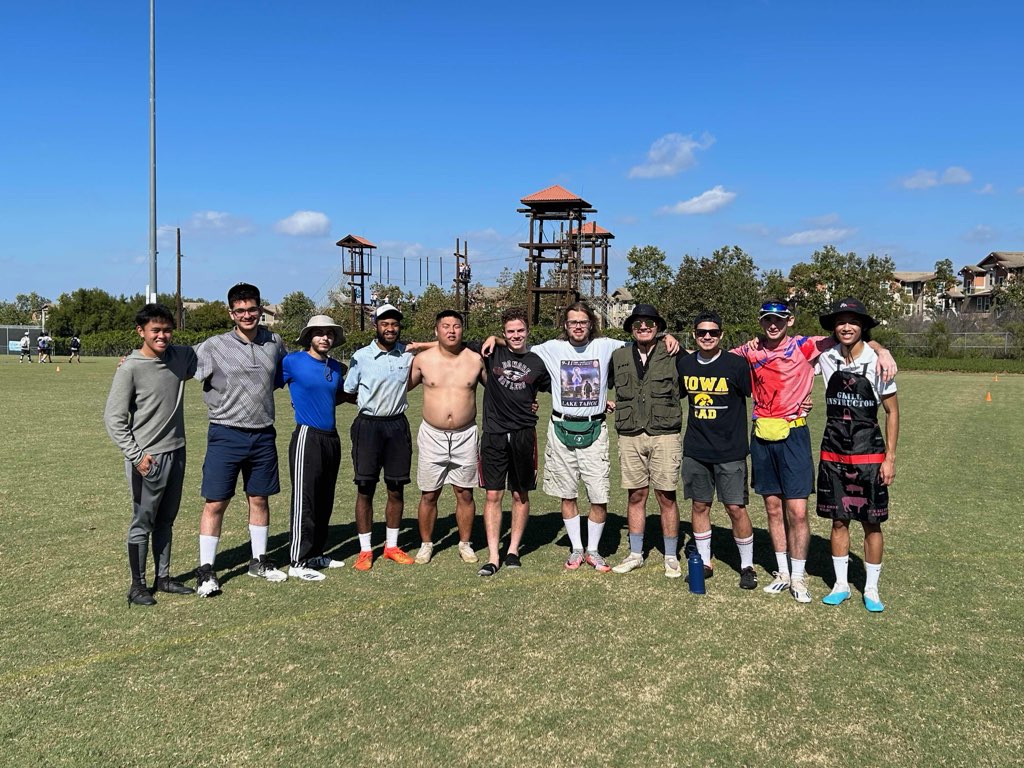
[702, 390]
[581, 383]
[512, 374]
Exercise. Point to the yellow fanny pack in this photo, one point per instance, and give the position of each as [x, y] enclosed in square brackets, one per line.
[774, 430]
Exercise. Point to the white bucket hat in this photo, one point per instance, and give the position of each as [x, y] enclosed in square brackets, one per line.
[321, 321]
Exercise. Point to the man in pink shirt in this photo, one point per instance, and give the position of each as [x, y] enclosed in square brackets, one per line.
[782, 471]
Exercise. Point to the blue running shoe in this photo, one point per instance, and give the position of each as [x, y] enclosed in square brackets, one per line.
[838, 595]
[872, 601]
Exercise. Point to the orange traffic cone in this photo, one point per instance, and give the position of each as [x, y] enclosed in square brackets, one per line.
[988, 397]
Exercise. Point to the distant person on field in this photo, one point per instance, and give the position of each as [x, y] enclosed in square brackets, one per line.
[145, 418]
[648, 421]
[239, 370]
[26, 347]
[857, 464]
[715, 447]
[43, 343]
[76, 349]
[315, 384]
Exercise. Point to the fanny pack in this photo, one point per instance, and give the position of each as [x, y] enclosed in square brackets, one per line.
[577, 434]
[774, 430]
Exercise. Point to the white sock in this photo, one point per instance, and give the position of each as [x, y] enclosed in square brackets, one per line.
[841, 566]
[703, 540]
[746, 548]
[572, 527]
[258, 535]
[208, 549]
[798, 568]
[390, 537]
[364, 542]
[782, 563]
[594, 531]
[873, 571]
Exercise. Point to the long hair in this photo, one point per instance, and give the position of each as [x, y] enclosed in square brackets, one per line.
[580, 306]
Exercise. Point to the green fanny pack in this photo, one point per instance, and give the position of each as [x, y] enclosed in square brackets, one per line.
[577, 434]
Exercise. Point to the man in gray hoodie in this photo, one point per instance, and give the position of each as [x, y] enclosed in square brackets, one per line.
[145, 418]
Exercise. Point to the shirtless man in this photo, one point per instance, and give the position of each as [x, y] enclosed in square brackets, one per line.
[447, 438]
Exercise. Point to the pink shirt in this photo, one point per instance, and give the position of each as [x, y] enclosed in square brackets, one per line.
[783, 377]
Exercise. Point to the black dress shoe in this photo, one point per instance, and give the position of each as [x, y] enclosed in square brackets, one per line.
[139, 595]
[167, 584]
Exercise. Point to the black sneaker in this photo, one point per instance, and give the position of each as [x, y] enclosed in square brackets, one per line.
[512, 561]
[169, 585]
[206, 581]
[263, 568]
[139, 595]
[748, 578]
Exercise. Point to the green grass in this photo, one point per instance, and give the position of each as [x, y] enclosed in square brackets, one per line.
[435, 666]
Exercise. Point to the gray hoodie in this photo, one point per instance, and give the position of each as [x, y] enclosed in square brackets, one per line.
[145, 408]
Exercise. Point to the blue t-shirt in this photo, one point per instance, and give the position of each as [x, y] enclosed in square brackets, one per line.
[314, 387]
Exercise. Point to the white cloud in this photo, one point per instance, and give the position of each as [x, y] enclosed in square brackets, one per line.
[982, 233]
[304, 224]
[829, 235]
[669, 155]
[823, 221]
[988, 189]
[925, 179]
[218, 221]
[706, 202]
[1020, 190]
[956, 175]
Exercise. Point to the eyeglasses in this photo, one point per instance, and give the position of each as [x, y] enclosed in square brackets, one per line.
[645, 322]
[577, 323]
[246, 311]
[712, 332]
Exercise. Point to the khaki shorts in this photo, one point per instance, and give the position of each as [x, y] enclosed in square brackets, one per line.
[564, 467]
[650, 461]
[446, 457]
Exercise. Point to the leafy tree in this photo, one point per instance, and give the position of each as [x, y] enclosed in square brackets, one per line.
[1009, 300]
[419, 323]
[296, 309]
[20, 311]
[513, 286]
[727, 282]
[832, 275]
[92, 310]
[649, 275]
[212, 316]
[944, 280]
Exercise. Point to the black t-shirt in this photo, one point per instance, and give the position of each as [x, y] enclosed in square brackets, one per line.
[513, 382]
[716, 424]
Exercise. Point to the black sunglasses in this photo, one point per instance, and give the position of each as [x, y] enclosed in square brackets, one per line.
[712, 332]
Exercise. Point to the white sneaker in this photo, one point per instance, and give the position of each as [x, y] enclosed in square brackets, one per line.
[672, 569]
[779, 585]
[798, 589]
[630, 562]
[305, 574]
[426, 552]
[323, 561]
[466, 552]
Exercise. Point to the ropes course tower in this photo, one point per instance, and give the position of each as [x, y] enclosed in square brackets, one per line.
[592, 243]
[357, 265]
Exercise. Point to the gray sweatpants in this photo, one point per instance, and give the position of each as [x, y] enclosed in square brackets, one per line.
[155, 501]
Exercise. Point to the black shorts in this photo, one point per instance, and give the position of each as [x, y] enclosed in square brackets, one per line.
[511, 455]
[381, 443]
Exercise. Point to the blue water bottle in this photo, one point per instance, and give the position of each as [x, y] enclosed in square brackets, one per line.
[695, 572]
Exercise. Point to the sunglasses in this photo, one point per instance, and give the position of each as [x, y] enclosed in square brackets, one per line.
[644, 322]
[712, 332]
[775, 308]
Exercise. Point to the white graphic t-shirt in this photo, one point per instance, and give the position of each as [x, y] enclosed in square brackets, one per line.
[579, 375]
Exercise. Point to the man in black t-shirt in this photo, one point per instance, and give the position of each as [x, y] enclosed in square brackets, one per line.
[508, 447]
[715, 446]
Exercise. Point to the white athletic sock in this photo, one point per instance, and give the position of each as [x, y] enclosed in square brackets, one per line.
[703, 540]
[798, 568]
[364, 542]
[873, 570]
[746, 548]
[782, 563]
[258, 535]
[594, 531]
[841, 566]
[390, 537]
[208, 549]
[572, 527]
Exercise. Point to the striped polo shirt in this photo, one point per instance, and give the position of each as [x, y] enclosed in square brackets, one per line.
[239, 378]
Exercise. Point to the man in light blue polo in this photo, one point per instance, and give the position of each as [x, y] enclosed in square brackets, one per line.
[377, 379]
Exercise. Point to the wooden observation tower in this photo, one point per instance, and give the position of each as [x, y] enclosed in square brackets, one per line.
[592, 242]
[357, 265]
[553, 258]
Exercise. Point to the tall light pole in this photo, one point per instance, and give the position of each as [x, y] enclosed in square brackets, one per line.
[152, 151]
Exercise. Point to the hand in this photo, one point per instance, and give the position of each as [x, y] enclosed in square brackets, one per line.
[488, 346]
[888, 471]
[807, 404]
[886, 365]
[144, 466]
[610, 406]
[671, 346]
[534, 406]
[754, 344]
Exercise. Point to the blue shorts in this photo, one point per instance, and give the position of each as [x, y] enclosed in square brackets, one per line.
[784, 467]
[230, 450]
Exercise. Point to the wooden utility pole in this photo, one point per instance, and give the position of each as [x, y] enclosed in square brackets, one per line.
[179, 319]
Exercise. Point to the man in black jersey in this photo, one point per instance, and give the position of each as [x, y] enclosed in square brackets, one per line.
[715, 446]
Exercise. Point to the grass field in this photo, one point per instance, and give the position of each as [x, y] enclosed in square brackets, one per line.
[432, 665]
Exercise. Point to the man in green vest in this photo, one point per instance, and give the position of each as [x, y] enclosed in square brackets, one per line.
[648, 419]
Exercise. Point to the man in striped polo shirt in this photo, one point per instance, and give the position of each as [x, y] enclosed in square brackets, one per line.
[239, 370]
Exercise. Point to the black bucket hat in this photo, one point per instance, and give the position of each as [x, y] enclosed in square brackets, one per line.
[645, 310]
[849, 305]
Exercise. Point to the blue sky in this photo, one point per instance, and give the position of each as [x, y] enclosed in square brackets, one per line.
[880, 127]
